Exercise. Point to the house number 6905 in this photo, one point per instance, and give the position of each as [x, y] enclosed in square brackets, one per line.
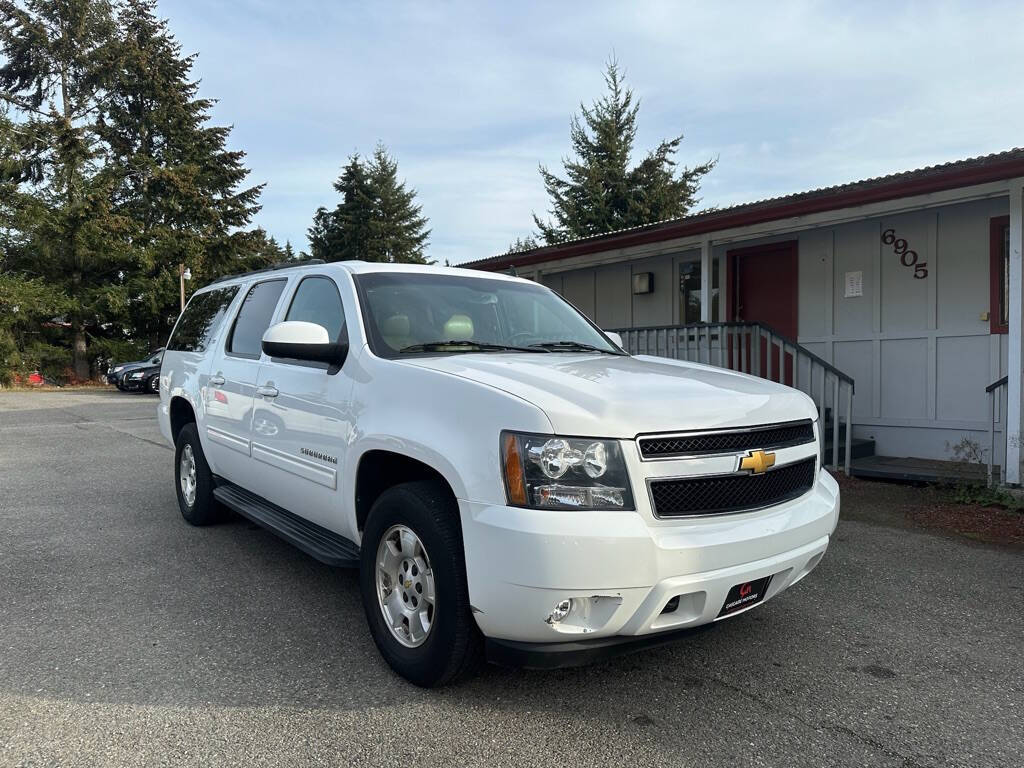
[908, 257]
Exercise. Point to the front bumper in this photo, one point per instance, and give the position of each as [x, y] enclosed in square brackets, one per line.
[512, 653]
[624, 569]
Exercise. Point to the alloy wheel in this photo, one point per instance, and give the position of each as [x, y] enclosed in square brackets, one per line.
[405, 586]
[187, 475]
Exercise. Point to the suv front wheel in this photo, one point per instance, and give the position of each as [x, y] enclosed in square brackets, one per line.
[413, 583]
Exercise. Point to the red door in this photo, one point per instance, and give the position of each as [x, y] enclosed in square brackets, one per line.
[763, 288]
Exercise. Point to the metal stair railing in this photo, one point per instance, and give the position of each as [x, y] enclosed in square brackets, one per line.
[738, 347]
[996, 392]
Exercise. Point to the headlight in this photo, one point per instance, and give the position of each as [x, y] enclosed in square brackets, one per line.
[550, 472]
[118, 368]
[137, 375]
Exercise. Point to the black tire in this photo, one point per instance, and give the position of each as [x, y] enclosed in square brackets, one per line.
[153, 384]
[453, 648]
[204, 509]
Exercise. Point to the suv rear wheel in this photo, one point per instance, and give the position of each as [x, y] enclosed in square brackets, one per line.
[193, 479]
[413, 583]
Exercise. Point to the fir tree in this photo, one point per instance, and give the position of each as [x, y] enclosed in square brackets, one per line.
[600, 192]
[55, 75]
[263, 249]
[178, 182]
[25, 303]
[320, 234]
[353, 216]
[344, 233]
[398, 229]
[522, 244]
[128, 179]
[377, 218]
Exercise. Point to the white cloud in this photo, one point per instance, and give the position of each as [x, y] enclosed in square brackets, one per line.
[471, 98]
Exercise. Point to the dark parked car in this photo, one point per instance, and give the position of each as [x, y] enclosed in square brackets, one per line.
[145, 379]
[117, 373]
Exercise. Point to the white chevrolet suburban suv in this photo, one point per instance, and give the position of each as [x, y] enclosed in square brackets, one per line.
[510, 483]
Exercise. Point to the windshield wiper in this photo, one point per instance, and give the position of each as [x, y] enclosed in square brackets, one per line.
[464, 345]
[572, 346]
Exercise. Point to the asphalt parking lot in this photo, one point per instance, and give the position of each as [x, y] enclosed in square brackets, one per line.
[130, 638]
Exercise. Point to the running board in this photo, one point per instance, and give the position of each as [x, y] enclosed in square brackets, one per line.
[326, 546]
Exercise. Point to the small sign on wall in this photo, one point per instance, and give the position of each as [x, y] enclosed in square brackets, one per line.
[643, 282]
[853, 285]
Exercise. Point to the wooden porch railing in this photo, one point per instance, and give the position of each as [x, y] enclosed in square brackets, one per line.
[996, 392]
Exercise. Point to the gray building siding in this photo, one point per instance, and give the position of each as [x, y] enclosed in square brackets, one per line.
[919, 349]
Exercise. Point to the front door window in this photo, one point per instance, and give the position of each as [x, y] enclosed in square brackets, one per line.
[999, 266]
[689, 292]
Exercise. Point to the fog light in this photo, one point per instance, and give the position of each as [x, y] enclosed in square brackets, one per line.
[561, 610]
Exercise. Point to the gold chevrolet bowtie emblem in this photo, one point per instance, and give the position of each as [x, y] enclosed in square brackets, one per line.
[757, 462]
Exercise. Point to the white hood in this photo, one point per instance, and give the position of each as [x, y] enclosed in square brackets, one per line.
[617, 396]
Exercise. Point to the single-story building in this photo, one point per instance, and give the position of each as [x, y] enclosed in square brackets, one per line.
[906, 288]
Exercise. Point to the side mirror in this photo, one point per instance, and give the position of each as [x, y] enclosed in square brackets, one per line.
[616, 339]
[298, 340]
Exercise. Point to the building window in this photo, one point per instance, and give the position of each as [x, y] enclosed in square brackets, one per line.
[714, 290]
[999, 274]
[689, 292]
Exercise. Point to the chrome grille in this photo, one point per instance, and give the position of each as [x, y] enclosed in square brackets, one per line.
[727, 441]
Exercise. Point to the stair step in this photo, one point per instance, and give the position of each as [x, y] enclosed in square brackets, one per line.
[826, 431]
[860, 448]
[326, 546]
[915, 470]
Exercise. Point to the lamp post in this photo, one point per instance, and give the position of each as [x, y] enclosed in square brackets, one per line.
[183, 274]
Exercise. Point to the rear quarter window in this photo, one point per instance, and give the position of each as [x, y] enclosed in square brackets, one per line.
[201, 319]
[254, 318]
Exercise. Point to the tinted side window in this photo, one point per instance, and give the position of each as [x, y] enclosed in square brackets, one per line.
[201, 319]
[317, 301]
[254, 318]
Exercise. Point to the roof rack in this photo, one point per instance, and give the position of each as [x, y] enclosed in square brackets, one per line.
[271, 268]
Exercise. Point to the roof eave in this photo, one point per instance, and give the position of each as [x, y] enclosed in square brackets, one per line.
[758, 213]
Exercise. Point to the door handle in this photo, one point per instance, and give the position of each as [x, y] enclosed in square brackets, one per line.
[217, 380]
[267, 391]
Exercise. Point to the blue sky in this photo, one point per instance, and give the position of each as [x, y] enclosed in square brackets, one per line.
[470, 97]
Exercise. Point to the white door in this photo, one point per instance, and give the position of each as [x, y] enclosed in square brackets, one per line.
[301, 426]
[231, 387]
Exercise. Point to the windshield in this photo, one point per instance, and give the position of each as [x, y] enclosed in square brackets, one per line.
[408, 313]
